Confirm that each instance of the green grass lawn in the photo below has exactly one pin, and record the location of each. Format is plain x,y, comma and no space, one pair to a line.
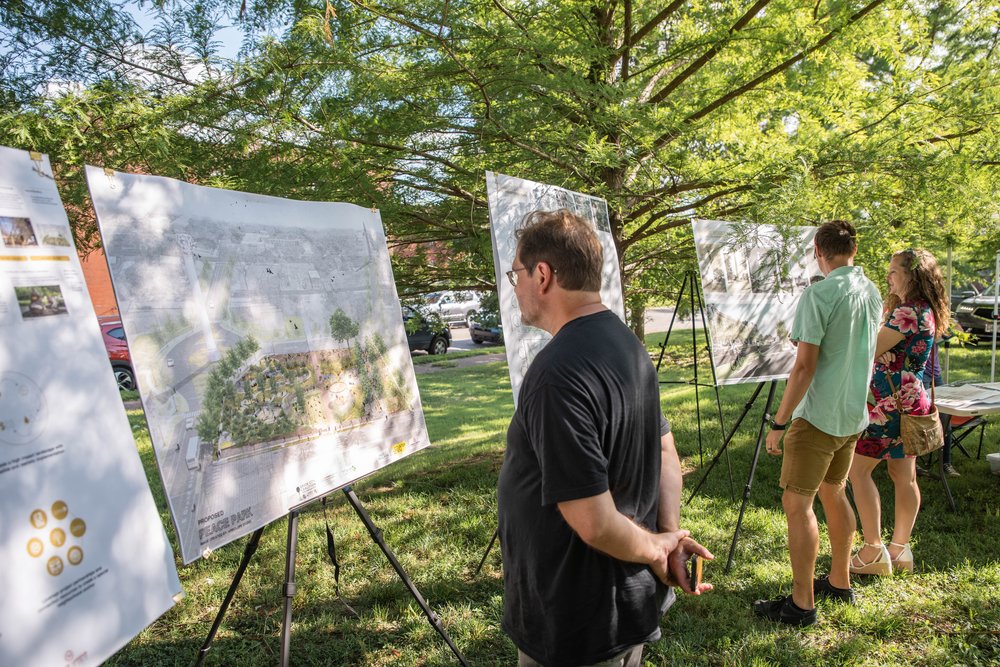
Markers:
438,511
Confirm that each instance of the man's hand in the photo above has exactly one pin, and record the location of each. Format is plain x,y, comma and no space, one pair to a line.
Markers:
774,442
665,545
679,566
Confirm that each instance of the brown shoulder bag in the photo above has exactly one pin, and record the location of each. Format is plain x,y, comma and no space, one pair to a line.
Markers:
921,434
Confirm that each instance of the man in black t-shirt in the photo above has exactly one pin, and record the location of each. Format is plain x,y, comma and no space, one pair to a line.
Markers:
584,487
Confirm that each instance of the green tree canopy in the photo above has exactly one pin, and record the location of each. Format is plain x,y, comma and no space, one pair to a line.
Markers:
880,111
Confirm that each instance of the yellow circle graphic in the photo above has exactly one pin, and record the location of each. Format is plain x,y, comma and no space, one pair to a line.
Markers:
39,519
59,510
54,566
57,537
78,527
74,555
35,547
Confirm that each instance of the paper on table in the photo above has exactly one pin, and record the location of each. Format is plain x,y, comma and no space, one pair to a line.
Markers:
968,395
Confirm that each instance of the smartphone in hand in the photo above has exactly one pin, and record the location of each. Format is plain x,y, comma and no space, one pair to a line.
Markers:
694,572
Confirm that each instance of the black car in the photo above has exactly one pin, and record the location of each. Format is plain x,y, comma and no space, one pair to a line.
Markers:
976,315
958,296
483,333
484,324
425,332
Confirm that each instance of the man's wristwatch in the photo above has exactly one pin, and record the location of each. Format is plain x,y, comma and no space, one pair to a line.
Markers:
775,426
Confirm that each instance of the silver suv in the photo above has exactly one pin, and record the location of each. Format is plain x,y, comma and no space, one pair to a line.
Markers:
454,307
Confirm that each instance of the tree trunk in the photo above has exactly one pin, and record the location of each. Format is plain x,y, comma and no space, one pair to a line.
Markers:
637,320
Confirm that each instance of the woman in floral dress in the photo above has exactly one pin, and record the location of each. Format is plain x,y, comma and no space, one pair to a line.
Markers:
916,310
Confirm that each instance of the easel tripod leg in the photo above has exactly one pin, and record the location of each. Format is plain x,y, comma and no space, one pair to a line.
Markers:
725,443
248,553
496,534
753,468
376,534
694,355
715,383
673,317
288,589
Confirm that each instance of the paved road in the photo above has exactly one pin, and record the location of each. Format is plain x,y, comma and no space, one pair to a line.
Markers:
657,319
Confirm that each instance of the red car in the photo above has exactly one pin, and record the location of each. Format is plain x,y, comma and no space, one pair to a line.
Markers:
118,354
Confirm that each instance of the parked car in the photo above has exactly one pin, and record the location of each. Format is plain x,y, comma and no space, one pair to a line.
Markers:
454,307
423,333
976,315
481,333
118,354
484,324
958,296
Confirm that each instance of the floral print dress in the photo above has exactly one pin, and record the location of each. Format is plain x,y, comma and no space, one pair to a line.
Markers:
915,320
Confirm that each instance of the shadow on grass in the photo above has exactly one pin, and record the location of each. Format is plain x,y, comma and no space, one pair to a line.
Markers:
437,509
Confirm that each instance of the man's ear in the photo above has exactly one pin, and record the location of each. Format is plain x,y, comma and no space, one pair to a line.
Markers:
545,275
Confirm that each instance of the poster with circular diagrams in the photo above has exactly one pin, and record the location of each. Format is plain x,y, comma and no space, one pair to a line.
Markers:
78,525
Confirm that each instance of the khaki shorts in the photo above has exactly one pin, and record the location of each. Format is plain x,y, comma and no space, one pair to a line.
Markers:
812,456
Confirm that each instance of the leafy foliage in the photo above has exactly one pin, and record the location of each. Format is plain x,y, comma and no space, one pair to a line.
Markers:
488,314
423,316
774,111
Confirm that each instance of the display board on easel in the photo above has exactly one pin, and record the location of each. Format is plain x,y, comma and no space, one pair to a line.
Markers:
752,277
511,199
86,564
269,347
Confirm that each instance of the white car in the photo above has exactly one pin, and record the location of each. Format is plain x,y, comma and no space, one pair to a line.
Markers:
454,307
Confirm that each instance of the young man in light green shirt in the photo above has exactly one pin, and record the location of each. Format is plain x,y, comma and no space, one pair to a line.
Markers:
823,406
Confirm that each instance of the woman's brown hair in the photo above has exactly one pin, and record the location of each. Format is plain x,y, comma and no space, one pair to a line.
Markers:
926,284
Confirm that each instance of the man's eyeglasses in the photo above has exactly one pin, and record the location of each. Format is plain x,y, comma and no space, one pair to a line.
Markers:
512,275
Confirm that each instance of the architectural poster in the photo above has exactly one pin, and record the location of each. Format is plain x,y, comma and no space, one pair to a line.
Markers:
269,347
511,199
752,277
86,564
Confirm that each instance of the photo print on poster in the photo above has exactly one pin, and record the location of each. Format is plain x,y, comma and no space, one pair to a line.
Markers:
752,277
510,200
53,235
268,344
40,300
78,525
17,232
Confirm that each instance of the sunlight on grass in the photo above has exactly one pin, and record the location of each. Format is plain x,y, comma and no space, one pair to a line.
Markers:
437,509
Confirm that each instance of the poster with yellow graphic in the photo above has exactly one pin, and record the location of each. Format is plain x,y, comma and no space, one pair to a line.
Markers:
85,564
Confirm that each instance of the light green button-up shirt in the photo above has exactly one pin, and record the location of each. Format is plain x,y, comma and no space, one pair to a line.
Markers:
841,314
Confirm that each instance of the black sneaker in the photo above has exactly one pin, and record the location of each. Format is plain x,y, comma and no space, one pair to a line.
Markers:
824,589
783,610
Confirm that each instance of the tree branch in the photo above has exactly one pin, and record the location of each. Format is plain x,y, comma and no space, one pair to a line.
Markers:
651,25
947,137
670,135
481,87
706,57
